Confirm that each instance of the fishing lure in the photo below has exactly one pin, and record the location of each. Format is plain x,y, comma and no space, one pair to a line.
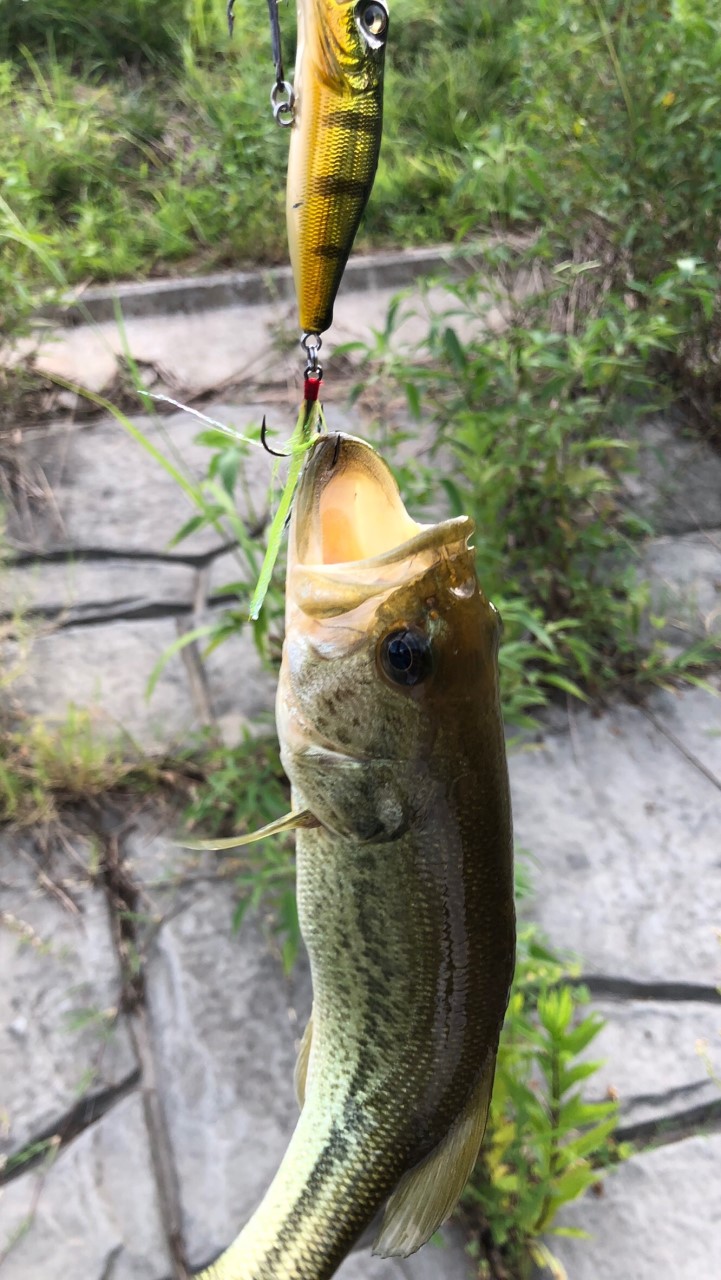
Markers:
334,144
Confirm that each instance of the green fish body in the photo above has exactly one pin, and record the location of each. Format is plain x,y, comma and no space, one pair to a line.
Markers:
391,733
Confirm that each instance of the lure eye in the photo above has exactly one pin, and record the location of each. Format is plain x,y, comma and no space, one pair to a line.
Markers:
373,20
405,656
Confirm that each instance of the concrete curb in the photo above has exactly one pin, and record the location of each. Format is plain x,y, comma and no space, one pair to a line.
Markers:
394,269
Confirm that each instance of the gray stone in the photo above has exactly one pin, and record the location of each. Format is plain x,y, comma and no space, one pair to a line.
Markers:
61,1038
91,1215
658,1215
361,1265
92,591
442,1260
624,830
685,574
678,484
242,689
105,669
233,329
186,354
224,1029
104,492
693,719
655,1057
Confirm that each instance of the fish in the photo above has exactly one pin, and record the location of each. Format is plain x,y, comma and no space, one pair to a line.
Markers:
391,734
334,144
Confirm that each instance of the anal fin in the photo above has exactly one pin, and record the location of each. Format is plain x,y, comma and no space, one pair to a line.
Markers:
427,1194
300,1074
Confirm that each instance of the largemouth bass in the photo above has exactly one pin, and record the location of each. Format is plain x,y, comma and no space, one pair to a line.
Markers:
390,730
334,145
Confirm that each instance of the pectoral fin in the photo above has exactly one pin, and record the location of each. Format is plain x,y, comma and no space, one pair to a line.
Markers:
301,1063
304,819
427,1194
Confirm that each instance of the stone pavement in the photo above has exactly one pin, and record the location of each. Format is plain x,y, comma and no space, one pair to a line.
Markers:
146,1050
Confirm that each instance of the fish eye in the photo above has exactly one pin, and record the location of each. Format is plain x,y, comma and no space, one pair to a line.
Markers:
372,17
405,656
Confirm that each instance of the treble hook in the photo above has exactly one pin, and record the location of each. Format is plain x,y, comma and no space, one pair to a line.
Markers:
264,441
282,98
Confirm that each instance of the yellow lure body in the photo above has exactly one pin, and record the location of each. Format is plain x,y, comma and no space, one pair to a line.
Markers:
335,143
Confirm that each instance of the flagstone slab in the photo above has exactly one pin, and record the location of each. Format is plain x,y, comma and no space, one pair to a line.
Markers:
693,719
225,1025
62,1036
104,492
93,1214
656,1057
678,483
105,670
624,833
685,572
97,590
442,1259
658,1215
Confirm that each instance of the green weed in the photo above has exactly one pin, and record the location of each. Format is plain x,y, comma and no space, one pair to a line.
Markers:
34,1151
531,428
47,767
139,137
545,1144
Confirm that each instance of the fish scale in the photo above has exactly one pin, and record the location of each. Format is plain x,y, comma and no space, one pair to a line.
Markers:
405,896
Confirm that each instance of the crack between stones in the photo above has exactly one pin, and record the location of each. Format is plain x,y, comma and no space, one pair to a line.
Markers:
123,896
631,989
646,1134
101,555
161,1153
670,1095
683,750
115,612
81,1116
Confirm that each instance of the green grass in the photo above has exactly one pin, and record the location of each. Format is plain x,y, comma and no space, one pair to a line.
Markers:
138,140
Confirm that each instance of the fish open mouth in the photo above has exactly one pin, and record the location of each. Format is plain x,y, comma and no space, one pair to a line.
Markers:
349,509
352,536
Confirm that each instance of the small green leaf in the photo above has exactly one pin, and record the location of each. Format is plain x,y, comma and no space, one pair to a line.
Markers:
174,647
310,422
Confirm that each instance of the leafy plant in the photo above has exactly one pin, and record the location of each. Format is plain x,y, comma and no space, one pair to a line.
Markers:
216,505
530,425
566,115
545,1144
44,767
